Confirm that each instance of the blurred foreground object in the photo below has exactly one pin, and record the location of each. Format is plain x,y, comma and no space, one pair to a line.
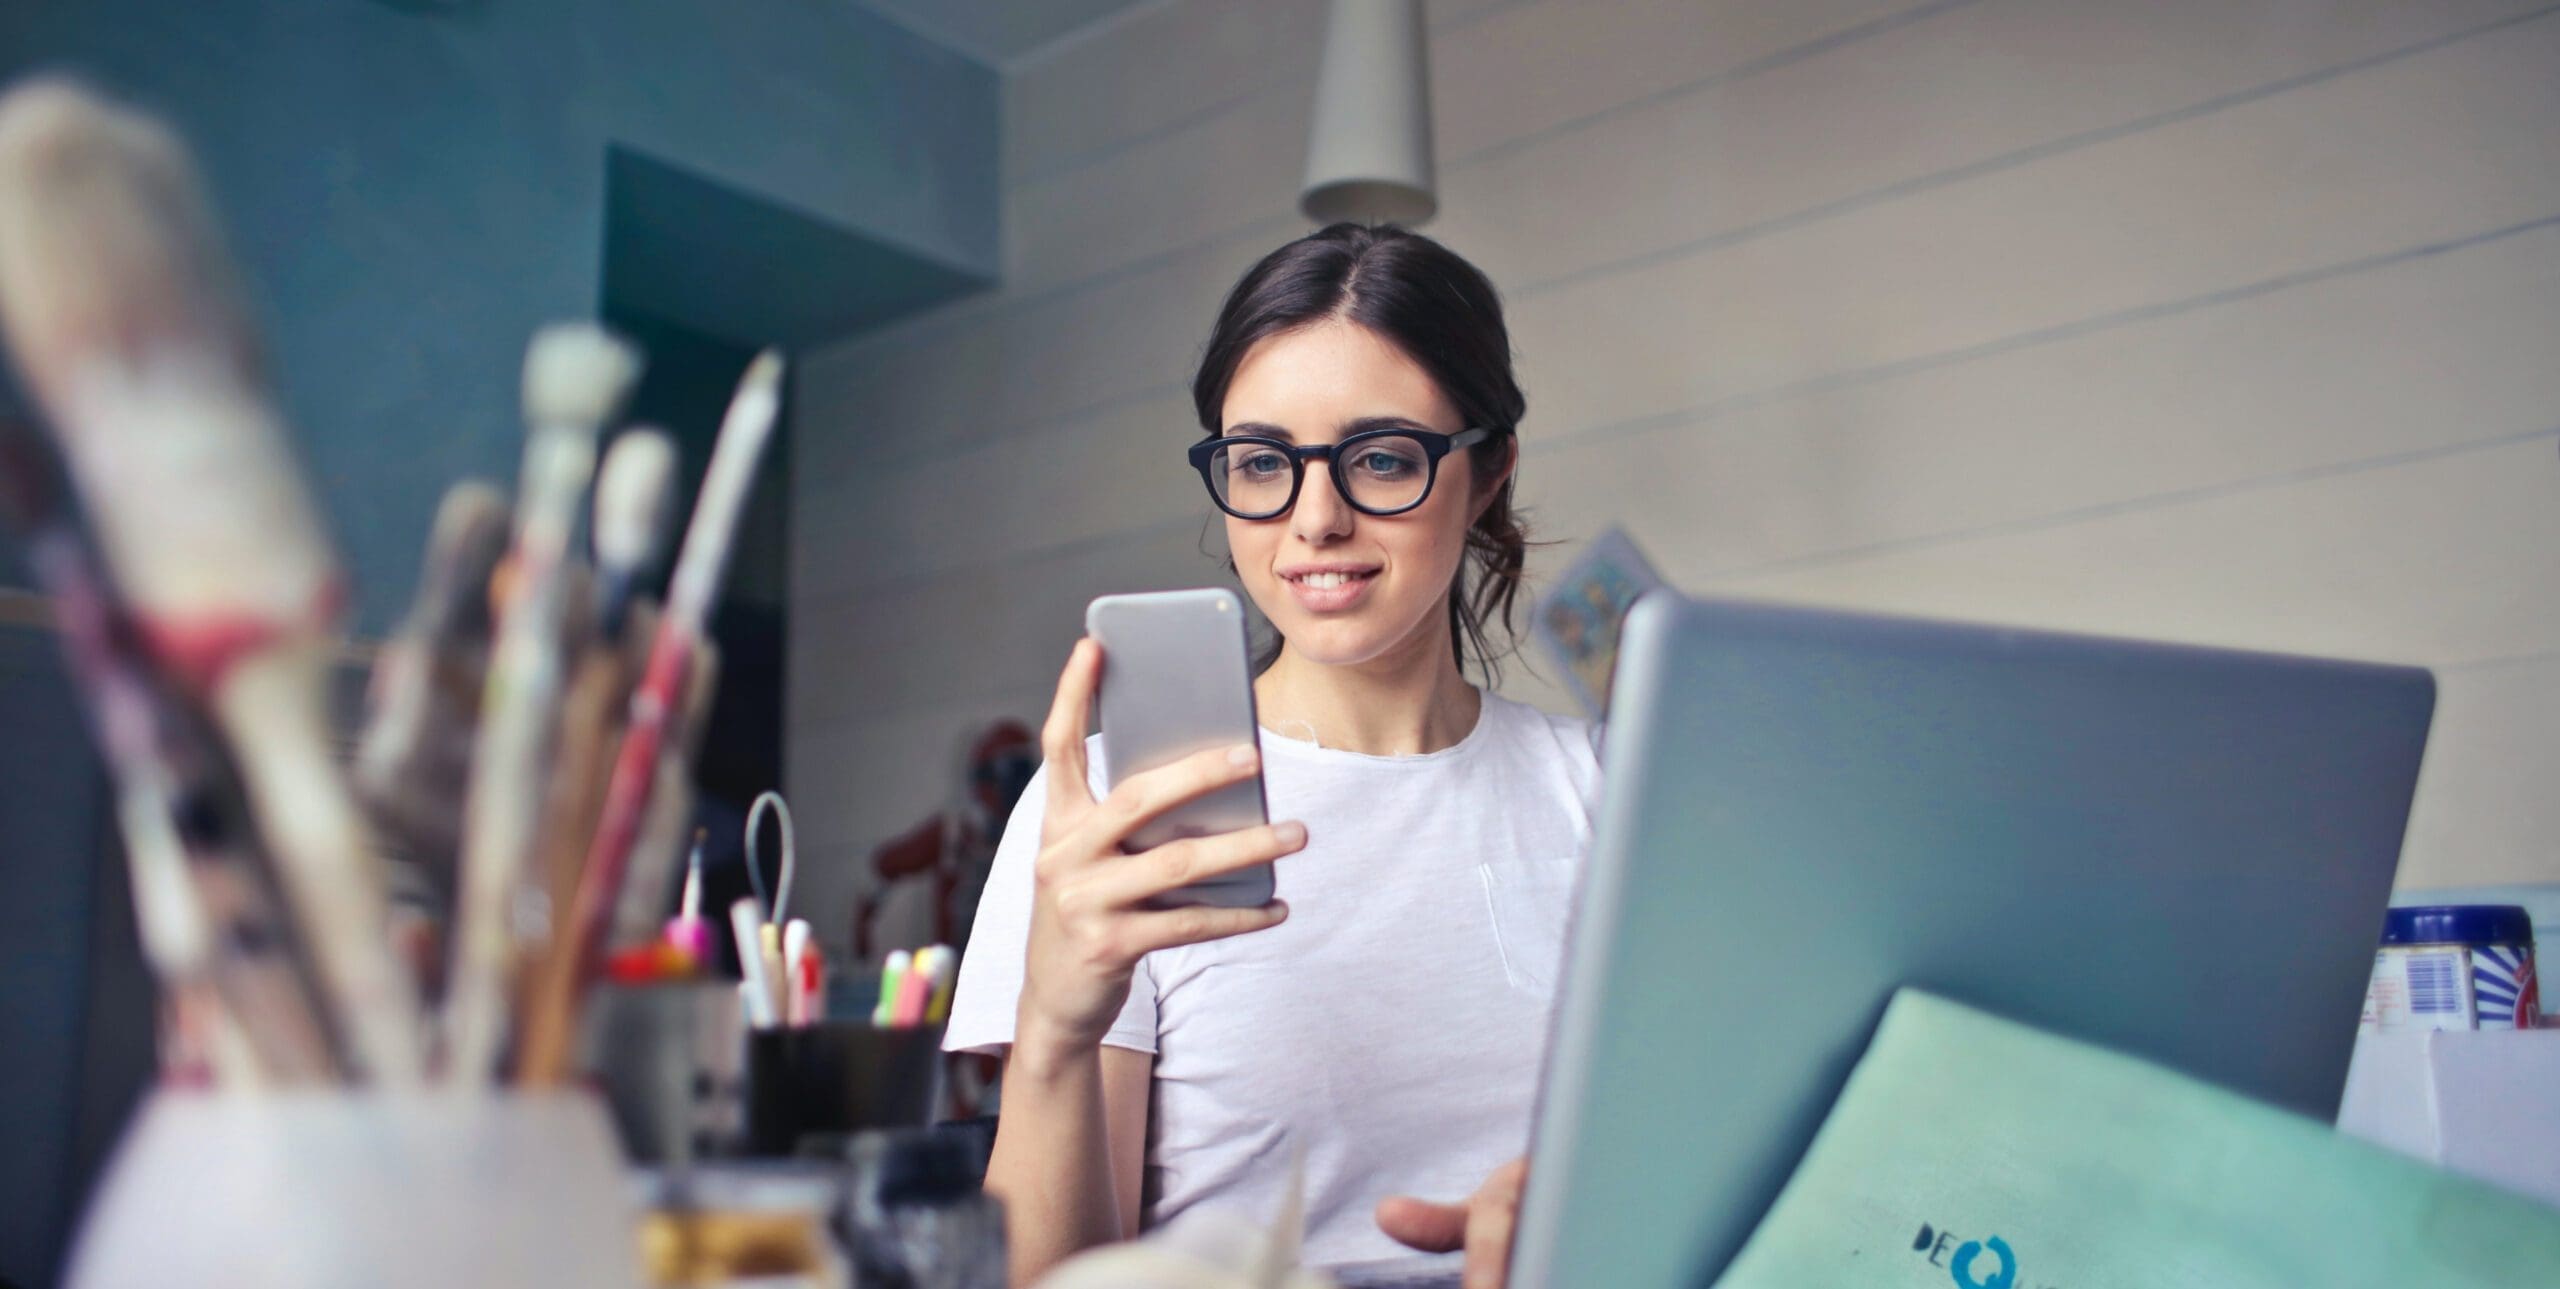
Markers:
239,996
2484,1104
1205,1248
2059,1162
575,377
736,1224
198,606
653,750
124,320
390,1190
914,1216
413,762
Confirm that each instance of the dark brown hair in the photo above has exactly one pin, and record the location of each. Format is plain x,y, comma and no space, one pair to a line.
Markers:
1442,312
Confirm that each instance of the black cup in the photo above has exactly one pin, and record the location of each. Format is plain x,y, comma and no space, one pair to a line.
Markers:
810,1087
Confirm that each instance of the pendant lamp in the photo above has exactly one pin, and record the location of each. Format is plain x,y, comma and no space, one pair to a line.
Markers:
1369,147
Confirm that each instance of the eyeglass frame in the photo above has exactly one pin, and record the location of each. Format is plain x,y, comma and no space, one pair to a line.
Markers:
1435,445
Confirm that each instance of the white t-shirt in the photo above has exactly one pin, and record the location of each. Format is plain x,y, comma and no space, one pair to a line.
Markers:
1393,1027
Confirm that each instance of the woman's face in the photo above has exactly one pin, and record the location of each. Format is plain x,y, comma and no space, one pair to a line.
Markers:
1345,588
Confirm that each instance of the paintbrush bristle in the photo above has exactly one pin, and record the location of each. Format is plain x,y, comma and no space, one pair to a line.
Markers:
413,758
764,375
576,375
106,241
744,430
469,538
123,313
634,490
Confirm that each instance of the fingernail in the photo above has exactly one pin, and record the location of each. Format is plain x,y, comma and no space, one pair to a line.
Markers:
1243,755
1280,910
1291,833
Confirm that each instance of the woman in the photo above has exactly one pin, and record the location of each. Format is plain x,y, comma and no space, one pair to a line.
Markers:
1385,1022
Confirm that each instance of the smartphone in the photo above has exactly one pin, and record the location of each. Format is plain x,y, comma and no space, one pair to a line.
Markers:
1176,679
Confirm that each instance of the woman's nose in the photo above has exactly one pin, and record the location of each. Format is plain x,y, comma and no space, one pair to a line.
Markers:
1321,514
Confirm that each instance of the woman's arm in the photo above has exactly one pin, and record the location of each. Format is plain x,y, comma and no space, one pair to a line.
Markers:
1070,1149
1071,1137
1128,1084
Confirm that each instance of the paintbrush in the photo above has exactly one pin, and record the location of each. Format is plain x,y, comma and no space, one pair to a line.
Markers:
683,632
413,761
662,695
125,322
631,507
211,922
590,724
659,846
635,495
543,1049
575,376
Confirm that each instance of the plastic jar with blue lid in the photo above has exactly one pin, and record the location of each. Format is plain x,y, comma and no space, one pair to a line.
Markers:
2454,966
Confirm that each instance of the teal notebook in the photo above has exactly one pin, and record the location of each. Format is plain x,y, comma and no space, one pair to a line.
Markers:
1972,1151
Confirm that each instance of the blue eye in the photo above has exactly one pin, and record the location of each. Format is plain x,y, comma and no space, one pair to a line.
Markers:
1257,465
1385,465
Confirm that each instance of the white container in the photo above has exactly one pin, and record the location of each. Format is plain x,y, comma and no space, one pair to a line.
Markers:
2482,1103
288,1190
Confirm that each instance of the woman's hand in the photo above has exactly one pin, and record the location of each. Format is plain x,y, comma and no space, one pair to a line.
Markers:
1481,1224
1089,923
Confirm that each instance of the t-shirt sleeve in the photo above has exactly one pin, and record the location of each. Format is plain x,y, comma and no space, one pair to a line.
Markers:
1579,742
990,985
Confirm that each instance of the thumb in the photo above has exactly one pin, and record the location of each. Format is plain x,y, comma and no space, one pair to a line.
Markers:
1432,1228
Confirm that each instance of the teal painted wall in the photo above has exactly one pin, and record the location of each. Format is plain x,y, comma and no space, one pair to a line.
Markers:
414,185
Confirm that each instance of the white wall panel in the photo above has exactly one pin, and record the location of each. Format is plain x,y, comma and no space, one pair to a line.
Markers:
2219,321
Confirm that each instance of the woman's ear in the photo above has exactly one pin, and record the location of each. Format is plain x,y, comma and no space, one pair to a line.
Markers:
1490,486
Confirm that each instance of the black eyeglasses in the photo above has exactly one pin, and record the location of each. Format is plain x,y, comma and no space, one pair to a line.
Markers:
1380,472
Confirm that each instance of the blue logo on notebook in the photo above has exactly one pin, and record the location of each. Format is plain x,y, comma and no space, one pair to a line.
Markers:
1968,1262
1962,1267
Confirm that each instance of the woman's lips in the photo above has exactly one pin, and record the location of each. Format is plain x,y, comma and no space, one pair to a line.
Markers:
1331,591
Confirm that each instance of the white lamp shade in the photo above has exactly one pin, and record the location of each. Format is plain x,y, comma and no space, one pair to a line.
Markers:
1369,147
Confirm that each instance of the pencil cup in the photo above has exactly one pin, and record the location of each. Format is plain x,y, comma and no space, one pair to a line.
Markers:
812,1086
288,1190
668,1057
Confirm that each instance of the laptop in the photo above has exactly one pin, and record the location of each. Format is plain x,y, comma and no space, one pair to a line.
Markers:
2180,853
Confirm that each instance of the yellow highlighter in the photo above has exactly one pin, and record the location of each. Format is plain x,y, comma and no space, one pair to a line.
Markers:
890,976
777,973
945,968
